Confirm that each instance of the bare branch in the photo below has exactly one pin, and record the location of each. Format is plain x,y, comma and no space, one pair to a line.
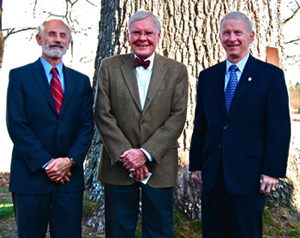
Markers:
91,3
292,41
34,8
294,13
11,31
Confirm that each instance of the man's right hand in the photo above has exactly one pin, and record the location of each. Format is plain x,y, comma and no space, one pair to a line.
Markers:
197,176
141,173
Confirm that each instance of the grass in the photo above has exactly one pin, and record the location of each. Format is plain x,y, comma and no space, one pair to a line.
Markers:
89,207
184,228
6,206
278,222
6,210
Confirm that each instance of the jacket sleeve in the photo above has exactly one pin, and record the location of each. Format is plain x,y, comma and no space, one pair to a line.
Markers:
199,131
278,127
165,136
104,119
84,132
25,141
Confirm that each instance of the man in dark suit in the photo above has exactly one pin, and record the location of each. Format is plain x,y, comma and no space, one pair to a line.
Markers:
240,145
140,113
51,134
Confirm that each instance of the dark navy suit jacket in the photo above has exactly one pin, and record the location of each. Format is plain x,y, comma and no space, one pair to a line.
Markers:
39,134
253,139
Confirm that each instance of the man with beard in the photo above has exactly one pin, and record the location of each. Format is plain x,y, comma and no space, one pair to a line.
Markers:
49,120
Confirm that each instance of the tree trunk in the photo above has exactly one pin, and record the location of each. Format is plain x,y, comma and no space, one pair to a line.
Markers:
190,35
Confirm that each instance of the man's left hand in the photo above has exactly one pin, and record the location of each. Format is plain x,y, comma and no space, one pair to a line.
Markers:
58,170
268,184
133,159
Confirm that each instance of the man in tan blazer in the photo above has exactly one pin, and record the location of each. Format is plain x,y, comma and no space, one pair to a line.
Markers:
140,112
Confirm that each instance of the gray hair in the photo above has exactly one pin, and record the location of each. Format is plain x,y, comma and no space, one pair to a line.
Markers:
140,15
40,29
237,16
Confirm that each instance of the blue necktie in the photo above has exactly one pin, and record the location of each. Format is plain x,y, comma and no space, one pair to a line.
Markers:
231,86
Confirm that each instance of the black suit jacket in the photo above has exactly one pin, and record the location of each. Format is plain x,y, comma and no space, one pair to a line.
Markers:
253,139
39,135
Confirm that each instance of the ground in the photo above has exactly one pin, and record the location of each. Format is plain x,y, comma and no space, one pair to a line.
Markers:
278,221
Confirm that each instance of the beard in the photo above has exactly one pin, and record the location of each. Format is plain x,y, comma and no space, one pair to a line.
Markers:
54,52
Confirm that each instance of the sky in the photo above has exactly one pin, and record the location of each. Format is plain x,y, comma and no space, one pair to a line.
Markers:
21,48
291,31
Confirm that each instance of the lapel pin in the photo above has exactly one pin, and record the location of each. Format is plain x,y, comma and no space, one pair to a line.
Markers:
249,79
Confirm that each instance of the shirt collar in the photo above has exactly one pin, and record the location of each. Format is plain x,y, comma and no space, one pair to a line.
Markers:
241,64
48,67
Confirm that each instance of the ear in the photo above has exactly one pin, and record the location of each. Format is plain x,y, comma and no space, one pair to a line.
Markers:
127,36
68,45
38,39
252,35
159,34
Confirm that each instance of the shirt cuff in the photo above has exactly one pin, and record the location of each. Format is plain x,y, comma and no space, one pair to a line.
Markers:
45,165
149,156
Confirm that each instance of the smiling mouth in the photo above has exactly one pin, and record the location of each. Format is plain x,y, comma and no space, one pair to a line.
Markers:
143,46
56,46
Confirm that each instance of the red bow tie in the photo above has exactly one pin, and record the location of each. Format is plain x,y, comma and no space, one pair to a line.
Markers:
139,62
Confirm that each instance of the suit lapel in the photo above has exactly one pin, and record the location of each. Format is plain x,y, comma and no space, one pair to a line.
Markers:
128,70
69,87
218,87
246,81
41,80
158,74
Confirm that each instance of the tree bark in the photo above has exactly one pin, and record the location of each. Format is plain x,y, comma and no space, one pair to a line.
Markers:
190,35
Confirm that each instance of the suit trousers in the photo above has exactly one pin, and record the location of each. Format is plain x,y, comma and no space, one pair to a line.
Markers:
229,216
122,204
63,212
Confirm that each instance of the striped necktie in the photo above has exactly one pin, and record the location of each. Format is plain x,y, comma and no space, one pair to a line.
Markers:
231,86
56,90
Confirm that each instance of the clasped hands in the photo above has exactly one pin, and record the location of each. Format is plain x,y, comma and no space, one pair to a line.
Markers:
268,184
134,160
58,170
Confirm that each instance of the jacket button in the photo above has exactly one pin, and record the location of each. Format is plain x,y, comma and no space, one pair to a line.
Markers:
225,127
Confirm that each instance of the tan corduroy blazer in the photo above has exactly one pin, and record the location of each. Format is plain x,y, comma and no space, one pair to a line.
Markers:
123,124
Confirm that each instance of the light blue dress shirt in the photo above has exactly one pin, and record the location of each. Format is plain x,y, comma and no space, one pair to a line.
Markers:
241,65
48,67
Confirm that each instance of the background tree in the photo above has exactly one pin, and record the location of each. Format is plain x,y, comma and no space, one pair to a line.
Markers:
294,91
66,10
190,36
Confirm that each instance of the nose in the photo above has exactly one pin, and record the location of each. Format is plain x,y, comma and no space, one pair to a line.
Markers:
58,38
232,37
142,36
